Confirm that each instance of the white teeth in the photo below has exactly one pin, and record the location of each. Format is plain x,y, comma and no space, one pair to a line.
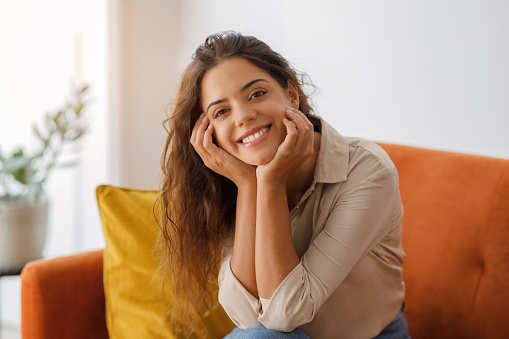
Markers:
256,135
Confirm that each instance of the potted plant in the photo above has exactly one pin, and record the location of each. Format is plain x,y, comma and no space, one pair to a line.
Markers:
23,201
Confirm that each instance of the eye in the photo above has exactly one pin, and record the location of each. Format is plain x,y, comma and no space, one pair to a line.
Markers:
220,112
257,94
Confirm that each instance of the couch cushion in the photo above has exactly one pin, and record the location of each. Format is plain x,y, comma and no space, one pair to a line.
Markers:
132,286
456,236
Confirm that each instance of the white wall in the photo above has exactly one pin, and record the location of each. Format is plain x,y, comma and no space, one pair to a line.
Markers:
432,74
148,37
429,73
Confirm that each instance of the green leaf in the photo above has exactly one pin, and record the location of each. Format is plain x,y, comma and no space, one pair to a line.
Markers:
47,141
13,164
38,133
50,124
18,153
80,133
83,89
78,108
20,175
60,126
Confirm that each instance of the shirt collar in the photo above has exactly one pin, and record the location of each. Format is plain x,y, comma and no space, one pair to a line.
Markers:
333,157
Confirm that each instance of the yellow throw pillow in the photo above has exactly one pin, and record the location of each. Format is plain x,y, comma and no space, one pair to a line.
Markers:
132,287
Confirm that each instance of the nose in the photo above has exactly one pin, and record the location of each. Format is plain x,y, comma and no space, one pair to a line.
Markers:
244,115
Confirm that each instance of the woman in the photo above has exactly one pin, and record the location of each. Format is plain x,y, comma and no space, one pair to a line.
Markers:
306,222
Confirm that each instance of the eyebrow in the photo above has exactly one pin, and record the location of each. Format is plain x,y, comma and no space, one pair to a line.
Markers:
242,89
246,86
215,103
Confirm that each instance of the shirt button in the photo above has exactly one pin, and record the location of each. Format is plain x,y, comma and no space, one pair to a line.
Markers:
297,207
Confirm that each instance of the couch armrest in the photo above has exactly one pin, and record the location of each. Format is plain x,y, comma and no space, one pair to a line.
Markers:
63,298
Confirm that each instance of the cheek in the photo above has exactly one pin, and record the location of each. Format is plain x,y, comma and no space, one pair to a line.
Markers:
221,135
281,128
278,111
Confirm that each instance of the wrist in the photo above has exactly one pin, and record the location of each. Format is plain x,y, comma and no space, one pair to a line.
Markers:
246,181
265,178
270,186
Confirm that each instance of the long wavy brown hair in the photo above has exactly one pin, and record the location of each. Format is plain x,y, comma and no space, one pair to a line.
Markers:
198,205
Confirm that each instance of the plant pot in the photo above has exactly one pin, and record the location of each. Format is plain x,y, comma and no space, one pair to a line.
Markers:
23,227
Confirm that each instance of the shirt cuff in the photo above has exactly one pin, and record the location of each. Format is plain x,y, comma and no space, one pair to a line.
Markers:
290,305
240,305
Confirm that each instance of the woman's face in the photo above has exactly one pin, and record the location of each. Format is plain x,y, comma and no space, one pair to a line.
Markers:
246,106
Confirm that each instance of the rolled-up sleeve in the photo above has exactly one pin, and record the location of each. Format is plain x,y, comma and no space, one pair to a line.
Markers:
359,219
240,305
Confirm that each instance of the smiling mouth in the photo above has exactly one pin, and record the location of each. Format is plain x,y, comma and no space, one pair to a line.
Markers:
255,136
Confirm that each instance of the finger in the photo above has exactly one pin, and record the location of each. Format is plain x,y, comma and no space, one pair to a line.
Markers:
303,128
291,132
214,151
295,110
301,115
208,143
210,148
196,125
305,141
199,131
195,132
304,118
198,141
295,118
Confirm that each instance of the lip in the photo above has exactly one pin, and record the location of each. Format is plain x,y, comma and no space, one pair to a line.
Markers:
260,139
251,132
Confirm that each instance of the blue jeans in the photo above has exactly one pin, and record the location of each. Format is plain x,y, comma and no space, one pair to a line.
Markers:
264,333
397,329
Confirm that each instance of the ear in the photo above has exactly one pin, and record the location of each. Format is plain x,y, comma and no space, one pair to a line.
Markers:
293,93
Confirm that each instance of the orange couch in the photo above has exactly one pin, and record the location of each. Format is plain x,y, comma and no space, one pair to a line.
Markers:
455,233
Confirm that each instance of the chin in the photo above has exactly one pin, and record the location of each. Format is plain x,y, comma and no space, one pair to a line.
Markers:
258,163
262,160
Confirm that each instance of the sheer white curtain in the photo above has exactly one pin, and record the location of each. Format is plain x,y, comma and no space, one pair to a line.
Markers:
46,48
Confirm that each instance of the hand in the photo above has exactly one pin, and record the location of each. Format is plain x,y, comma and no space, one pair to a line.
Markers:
216,158
297,146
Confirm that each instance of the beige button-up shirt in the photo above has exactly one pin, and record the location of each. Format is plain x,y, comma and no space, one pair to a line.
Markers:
347,233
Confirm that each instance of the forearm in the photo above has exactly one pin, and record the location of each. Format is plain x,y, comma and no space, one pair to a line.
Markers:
242,261
275,255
